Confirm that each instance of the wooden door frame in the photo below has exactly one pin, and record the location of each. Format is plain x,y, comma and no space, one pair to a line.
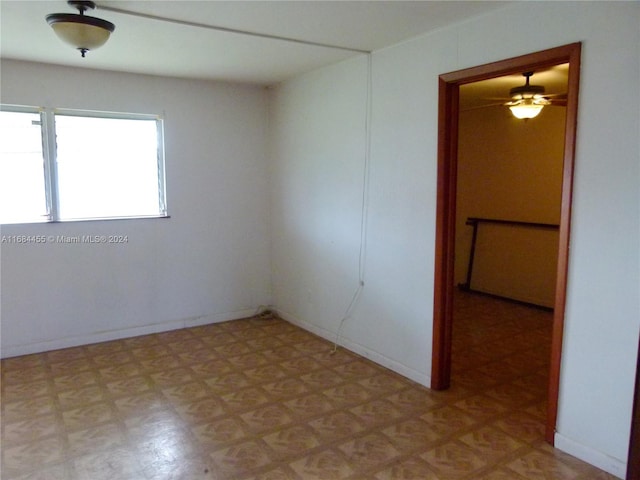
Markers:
448,111
633,460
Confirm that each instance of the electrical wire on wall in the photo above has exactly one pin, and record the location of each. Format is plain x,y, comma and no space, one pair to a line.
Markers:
364,204
265,311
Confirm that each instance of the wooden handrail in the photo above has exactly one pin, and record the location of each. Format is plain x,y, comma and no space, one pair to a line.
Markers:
476,220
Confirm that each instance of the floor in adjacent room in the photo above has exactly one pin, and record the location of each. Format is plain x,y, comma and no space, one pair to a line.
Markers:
262,399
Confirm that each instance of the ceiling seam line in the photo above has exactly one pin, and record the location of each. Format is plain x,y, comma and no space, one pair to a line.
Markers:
230,30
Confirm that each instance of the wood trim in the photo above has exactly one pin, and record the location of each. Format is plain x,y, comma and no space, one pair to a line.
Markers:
445,221
633,461
449,85
510,66
563,249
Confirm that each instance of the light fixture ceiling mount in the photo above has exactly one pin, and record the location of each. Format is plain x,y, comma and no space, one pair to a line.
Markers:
81,31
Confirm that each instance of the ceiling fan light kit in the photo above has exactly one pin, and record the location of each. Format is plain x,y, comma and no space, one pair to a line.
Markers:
81,31
526,109
527,100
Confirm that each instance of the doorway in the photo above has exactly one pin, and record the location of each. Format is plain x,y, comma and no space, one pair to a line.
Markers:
449,93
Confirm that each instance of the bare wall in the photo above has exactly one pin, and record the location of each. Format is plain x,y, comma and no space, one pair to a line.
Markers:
393,321
208,262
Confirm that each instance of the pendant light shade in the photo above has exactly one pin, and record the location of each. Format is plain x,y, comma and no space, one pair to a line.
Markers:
81,31
527,108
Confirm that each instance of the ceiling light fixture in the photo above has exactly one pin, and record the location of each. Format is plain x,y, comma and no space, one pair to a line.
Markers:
526,109
527,101
81,31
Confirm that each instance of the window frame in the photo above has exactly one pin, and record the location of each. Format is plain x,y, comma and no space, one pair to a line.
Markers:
49,154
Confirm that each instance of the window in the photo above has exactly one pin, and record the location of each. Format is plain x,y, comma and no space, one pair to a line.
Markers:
58,165
22,183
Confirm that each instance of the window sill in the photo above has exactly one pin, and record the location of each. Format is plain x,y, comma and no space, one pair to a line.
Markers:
84,220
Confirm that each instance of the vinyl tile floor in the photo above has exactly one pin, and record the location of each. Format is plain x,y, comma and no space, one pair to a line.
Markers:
262,399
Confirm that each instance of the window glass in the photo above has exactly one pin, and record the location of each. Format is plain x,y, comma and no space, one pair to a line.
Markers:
76,165
22,177
108,167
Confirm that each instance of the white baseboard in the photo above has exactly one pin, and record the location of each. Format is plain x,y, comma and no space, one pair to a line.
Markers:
366,352
97,337
596,458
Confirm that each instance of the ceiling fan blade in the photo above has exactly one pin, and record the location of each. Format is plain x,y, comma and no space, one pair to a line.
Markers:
478,107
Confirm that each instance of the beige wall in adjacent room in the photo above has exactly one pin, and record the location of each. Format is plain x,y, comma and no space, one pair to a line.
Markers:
510,169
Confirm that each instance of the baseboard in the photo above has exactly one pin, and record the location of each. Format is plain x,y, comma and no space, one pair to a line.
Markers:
97,337
361,350
598,459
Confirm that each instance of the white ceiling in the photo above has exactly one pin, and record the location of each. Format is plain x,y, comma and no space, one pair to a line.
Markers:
144,45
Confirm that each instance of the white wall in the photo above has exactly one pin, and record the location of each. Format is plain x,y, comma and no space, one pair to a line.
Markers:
316,159
208,262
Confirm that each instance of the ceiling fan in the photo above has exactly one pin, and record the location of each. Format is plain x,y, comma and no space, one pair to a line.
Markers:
528,100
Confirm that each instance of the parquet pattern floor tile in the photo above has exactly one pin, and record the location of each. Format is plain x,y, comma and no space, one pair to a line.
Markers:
260,399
